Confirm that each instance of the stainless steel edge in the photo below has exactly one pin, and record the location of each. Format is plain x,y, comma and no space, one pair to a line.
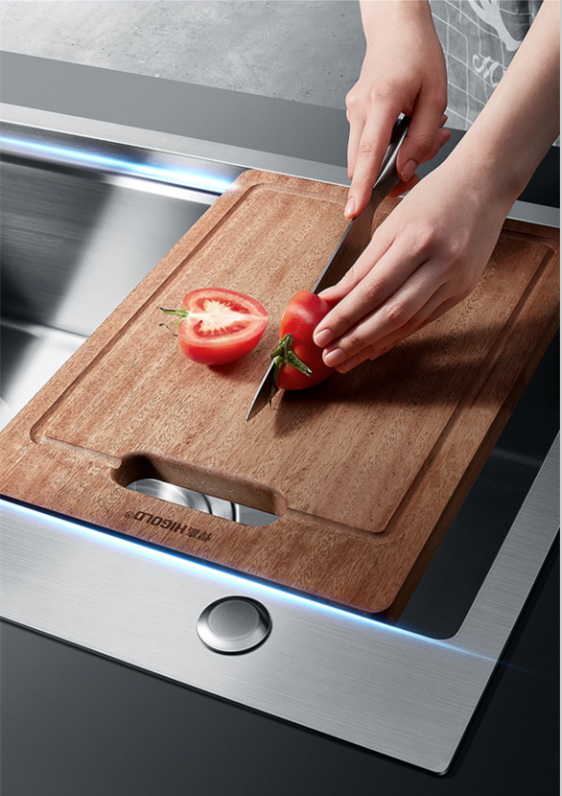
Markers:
211,151
502,595
165,142
535,214
387,690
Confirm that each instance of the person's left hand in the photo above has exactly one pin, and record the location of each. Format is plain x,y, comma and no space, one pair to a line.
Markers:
426,257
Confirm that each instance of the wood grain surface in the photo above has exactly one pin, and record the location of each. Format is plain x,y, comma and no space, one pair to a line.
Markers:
366,471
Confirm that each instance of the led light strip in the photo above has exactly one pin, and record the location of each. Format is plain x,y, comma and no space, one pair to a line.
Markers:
189,179
230,579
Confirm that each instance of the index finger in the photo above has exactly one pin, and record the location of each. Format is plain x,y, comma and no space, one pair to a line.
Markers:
384,278
375,138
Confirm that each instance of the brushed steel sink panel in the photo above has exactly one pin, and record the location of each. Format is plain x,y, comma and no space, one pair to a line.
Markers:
74,245
67,259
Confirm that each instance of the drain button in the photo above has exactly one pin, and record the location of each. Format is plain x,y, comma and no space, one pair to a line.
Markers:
234,624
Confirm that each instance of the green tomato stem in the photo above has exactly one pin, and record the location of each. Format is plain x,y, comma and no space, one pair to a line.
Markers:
284,355
182,315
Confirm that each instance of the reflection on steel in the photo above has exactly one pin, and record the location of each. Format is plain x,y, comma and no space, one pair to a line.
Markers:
208,504
80,156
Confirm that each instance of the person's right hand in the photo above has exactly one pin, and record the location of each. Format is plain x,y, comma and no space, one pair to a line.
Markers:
403,72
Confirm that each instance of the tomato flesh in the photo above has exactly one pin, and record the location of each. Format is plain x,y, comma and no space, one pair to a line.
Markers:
221,326
303,314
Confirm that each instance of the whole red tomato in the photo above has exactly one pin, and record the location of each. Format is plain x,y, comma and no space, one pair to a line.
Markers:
298,360
218,326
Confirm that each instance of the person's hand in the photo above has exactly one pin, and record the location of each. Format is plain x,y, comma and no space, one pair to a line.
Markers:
403,72
424,258
432,249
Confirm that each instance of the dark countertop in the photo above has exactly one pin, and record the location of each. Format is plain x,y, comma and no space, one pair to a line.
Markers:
75,723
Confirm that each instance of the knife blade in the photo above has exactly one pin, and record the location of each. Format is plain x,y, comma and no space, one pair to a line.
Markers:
352,243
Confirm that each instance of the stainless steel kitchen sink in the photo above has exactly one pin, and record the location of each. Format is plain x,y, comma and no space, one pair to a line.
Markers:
83,220
74,243
75,240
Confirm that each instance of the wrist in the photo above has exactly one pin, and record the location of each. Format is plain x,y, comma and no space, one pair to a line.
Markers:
381,19
486,167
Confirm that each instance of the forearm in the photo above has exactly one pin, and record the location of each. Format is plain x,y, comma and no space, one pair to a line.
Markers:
383,17
403,72
521,120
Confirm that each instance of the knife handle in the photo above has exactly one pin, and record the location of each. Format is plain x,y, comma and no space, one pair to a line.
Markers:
388,176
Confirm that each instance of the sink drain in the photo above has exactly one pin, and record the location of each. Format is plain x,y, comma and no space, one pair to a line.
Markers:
187,497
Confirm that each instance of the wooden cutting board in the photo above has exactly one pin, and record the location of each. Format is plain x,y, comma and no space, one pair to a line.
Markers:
365,471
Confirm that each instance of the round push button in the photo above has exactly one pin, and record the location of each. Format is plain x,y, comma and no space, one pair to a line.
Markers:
234,624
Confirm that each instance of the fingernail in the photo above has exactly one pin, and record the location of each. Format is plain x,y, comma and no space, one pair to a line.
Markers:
408,170
323,338
350,207
348,365
335,357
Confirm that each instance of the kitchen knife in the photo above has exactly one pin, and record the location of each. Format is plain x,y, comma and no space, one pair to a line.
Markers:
352,243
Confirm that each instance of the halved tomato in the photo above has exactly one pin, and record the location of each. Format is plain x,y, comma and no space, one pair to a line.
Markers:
218,326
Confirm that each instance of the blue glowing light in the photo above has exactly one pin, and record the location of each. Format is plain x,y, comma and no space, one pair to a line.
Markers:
188,179
229,579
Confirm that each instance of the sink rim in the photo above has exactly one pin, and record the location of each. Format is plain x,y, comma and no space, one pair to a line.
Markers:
225,158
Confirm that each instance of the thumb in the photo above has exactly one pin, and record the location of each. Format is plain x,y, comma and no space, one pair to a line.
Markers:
418,145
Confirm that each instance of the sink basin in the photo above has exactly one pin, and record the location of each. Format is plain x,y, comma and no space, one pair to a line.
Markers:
84,221
75,241
74,244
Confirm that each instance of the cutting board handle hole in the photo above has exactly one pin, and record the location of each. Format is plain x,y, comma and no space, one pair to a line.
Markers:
192,487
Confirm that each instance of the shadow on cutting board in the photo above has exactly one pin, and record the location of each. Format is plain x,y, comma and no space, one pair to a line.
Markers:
421,371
